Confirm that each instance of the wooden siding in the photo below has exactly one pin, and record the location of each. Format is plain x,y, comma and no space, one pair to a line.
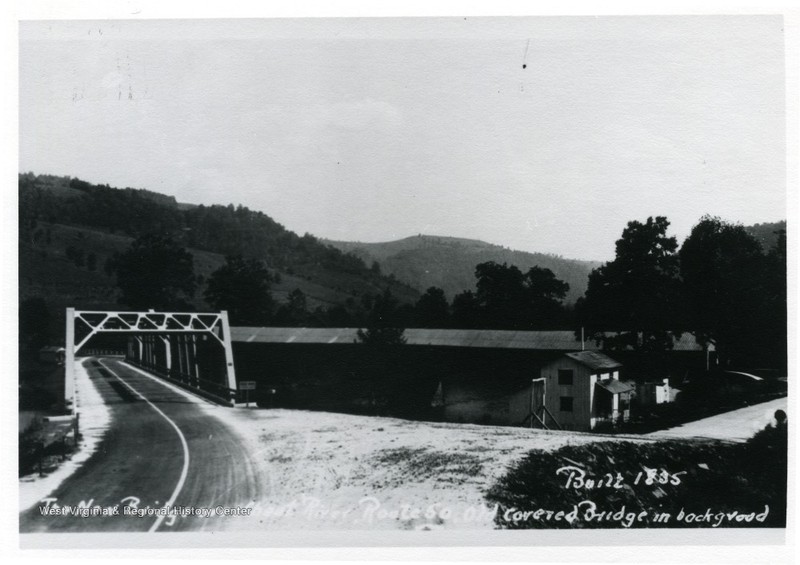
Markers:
579,418
465,404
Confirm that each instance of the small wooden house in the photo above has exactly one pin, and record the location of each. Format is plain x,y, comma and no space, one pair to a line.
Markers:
580,391
652,393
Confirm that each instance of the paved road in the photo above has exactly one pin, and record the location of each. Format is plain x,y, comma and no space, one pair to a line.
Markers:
737,425
161,448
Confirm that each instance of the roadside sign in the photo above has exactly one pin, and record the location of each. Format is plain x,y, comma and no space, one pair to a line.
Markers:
247,386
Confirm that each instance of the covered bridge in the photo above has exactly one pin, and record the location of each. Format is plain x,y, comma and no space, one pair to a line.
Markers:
481,376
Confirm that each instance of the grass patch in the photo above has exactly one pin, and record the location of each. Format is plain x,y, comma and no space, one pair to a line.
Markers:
43,446
422,464
688,485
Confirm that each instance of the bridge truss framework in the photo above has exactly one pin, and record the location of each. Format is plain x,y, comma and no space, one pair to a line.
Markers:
165,341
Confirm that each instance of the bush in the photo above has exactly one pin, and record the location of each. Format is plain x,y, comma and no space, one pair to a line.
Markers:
38,452
707,480
31,449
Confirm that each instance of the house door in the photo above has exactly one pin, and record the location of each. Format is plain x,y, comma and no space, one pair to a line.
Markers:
537,401
603,404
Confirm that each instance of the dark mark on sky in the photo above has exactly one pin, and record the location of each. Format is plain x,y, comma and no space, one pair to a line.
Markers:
525,56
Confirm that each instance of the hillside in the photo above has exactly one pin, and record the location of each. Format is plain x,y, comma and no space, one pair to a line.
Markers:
449,262
68,229
766,233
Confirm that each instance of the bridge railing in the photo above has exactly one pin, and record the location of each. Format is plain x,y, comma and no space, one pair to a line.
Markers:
211,390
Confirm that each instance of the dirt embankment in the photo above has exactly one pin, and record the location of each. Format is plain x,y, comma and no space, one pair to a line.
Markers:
335,470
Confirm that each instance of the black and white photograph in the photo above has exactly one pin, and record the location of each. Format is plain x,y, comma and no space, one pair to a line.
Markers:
437,280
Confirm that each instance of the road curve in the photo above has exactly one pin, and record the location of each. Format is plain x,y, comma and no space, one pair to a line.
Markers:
161,449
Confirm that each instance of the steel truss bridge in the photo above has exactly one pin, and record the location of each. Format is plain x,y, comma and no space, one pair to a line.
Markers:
191,349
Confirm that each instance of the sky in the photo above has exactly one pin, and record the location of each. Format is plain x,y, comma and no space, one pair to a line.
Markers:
543,134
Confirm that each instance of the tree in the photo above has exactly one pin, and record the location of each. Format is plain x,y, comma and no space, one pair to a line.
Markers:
336,317
382,336
736,293
76,255
155,273
242,287
466,311
638,293
432,310
34,322
545,295
501,295
295,311
776,306
383,327
509,299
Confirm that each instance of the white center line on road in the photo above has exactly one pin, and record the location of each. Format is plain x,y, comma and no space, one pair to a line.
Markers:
184,471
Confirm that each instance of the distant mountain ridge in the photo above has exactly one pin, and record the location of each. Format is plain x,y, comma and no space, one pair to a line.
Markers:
69,228
449,262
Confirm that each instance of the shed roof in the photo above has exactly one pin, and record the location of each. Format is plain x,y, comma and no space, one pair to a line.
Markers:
500,339
594,360
614,386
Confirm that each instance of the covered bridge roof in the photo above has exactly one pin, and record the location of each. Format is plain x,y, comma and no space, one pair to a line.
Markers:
501,339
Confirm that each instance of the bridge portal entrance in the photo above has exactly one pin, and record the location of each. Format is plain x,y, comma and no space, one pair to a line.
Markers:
191,349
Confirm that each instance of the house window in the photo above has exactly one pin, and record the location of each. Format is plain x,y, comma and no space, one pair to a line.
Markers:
565,376
566,404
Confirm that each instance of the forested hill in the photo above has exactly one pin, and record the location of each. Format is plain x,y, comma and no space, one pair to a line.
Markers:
69,228
767,233
449,262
